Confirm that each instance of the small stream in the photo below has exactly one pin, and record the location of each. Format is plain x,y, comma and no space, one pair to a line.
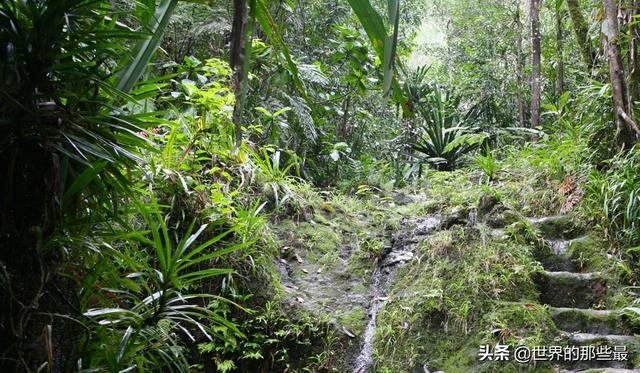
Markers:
402,251
559,247
365,358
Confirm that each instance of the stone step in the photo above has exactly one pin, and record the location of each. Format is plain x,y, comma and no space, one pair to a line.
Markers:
570,289
554,255
612,340
594,339
590,321
601,370
557,227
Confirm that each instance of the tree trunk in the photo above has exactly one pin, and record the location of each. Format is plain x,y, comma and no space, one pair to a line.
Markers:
236,62
535,63
581,29
634,55
627,129
560,52
519,67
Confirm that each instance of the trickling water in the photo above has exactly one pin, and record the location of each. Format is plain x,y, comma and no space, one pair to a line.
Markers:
559,247
401,252
365,358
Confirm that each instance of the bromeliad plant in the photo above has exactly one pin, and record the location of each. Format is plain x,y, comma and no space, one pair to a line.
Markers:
443,134
274,174
150,290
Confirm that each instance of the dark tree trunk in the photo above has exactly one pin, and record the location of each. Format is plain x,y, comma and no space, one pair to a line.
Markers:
236,61
627,129
519,67
535,63
560,52
581,29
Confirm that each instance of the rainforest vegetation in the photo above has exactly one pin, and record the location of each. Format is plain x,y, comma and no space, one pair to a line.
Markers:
318,185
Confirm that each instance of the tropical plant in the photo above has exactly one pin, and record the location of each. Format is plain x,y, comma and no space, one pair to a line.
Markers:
274,174
487,163
68,140
443,134
61,111
149,290
615,194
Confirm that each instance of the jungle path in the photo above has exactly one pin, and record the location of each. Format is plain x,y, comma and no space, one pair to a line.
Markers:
353,291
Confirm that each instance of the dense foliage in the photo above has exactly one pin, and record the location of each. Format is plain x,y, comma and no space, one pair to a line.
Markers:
164,163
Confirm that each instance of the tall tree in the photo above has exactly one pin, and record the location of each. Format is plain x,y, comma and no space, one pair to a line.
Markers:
519,65
581,29
236,61
627,129
535,62
559,48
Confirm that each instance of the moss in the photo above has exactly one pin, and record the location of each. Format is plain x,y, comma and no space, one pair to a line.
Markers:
354,320
317,237
590,253
438,244
444,303
561,289
520,324
372,246
449,189
320,218
559,227
329,260
327,207
501,219
453,296
523,232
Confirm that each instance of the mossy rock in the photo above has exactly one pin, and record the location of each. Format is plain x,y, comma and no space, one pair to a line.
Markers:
544,254
559,227
519,323
592,321
502,217
631,343
589,253
568,289
354,319
457,216
486,203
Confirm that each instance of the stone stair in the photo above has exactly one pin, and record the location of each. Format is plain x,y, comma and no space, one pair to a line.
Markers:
571,296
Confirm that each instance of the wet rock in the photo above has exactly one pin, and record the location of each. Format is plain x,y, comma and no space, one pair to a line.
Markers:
591,321
426,225
457,216
395,257
348,332
569,289
554,255
486,204
501,217
558,227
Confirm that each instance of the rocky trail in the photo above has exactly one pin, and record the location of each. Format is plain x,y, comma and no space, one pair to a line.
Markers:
574,296
401,251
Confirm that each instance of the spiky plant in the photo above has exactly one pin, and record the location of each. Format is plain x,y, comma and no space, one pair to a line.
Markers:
444,135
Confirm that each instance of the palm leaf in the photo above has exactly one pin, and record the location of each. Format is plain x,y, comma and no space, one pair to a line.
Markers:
147,46
377,33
